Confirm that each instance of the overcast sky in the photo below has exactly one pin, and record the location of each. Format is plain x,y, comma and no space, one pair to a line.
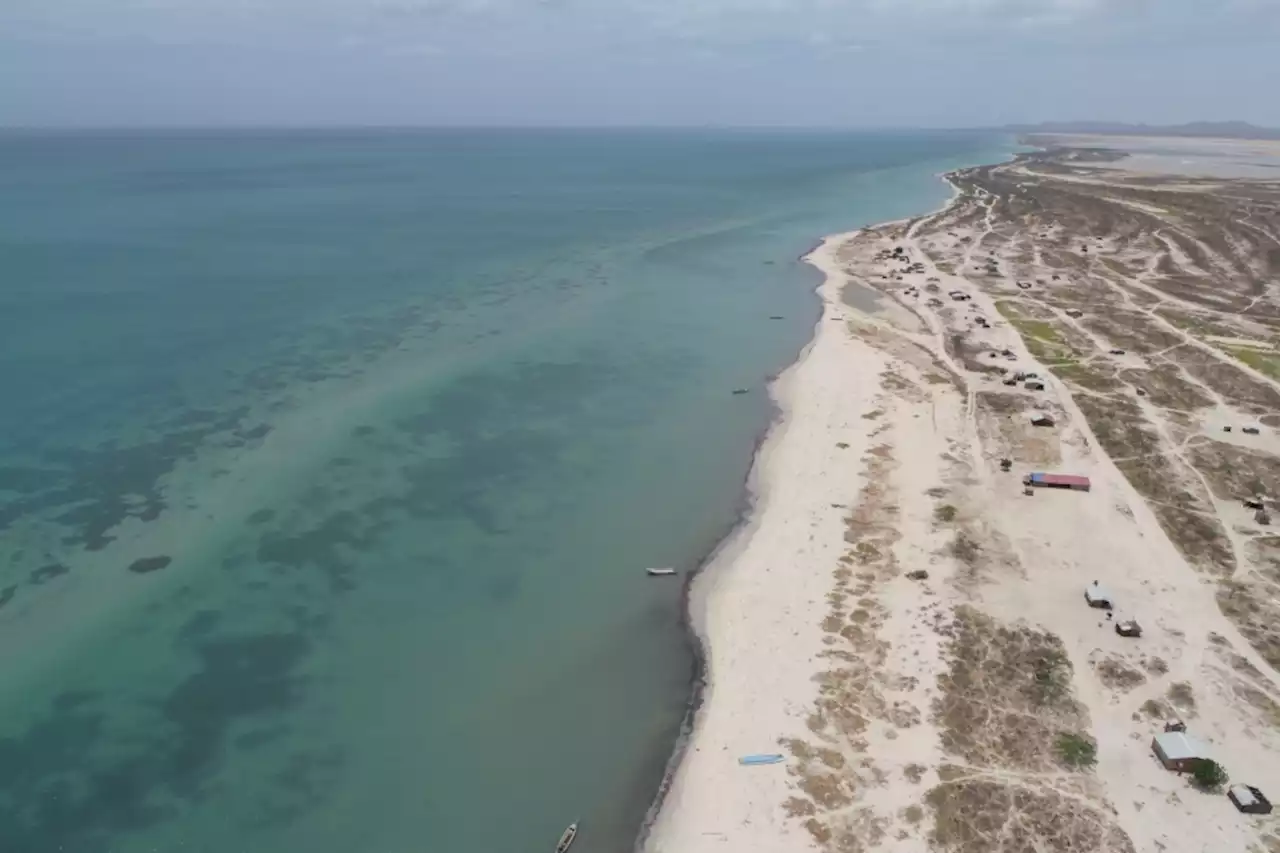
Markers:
863,63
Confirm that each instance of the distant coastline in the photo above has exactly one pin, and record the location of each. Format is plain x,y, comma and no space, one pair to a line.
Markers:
1202,129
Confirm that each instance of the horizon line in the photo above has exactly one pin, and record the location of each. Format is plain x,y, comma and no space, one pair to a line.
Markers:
248,126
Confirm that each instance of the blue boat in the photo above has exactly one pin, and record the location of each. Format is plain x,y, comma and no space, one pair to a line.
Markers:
761,758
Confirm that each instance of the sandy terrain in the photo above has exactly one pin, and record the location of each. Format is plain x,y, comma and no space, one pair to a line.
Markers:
1200,157
757,599
908,628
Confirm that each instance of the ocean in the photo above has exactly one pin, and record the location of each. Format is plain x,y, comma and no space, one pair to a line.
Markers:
331,462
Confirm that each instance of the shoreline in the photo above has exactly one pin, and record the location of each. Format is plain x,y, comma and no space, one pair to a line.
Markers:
699,586
731,544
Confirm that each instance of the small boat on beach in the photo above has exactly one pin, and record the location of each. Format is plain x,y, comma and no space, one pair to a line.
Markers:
660,573
567,838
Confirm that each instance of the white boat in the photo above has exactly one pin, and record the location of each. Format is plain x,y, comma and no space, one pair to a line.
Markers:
567,838
660,573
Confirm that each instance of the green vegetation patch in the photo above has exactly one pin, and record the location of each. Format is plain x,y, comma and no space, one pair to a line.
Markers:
1076,750
1046,339
1209,775
1093,379
1201,325
1264,361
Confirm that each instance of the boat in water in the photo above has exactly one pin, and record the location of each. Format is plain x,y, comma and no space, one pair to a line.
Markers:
660,573
567,838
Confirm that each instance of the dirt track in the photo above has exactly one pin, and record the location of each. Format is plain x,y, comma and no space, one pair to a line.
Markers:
1148,307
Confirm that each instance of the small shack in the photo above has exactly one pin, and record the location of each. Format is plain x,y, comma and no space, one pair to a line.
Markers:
1249,799
1250,430
1033,385
1097,596
1058,481
1178,751
1129,628
1040,419
1262,517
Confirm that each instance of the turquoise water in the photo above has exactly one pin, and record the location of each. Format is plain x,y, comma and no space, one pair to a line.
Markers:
330,463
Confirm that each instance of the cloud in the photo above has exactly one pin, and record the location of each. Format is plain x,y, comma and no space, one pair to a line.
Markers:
724,22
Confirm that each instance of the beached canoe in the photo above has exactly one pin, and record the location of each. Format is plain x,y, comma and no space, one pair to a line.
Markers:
567,838
660,573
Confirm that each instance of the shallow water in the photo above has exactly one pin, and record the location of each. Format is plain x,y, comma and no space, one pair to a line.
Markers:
409,413
862,297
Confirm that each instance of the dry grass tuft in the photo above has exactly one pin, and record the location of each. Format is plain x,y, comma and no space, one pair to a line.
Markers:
1155,710
1006,704
1114,672
1182,697
977,815
828,772
1006,695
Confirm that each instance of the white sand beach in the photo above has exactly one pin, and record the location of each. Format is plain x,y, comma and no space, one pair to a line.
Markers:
907,627
755,603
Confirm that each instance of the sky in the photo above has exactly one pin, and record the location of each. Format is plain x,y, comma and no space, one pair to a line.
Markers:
842,63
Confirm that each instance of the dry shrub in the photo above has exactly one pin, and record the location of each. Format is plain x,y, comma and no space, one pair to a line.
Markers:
1155,665
984,816
1006,694
1251,606
1113,672
1156,710
1236,472
1182,696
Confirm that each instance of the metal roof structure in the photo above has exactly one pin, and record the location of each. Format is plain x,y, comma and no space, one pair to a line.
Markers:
1095,592
1242,794
1179,746
1069,480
